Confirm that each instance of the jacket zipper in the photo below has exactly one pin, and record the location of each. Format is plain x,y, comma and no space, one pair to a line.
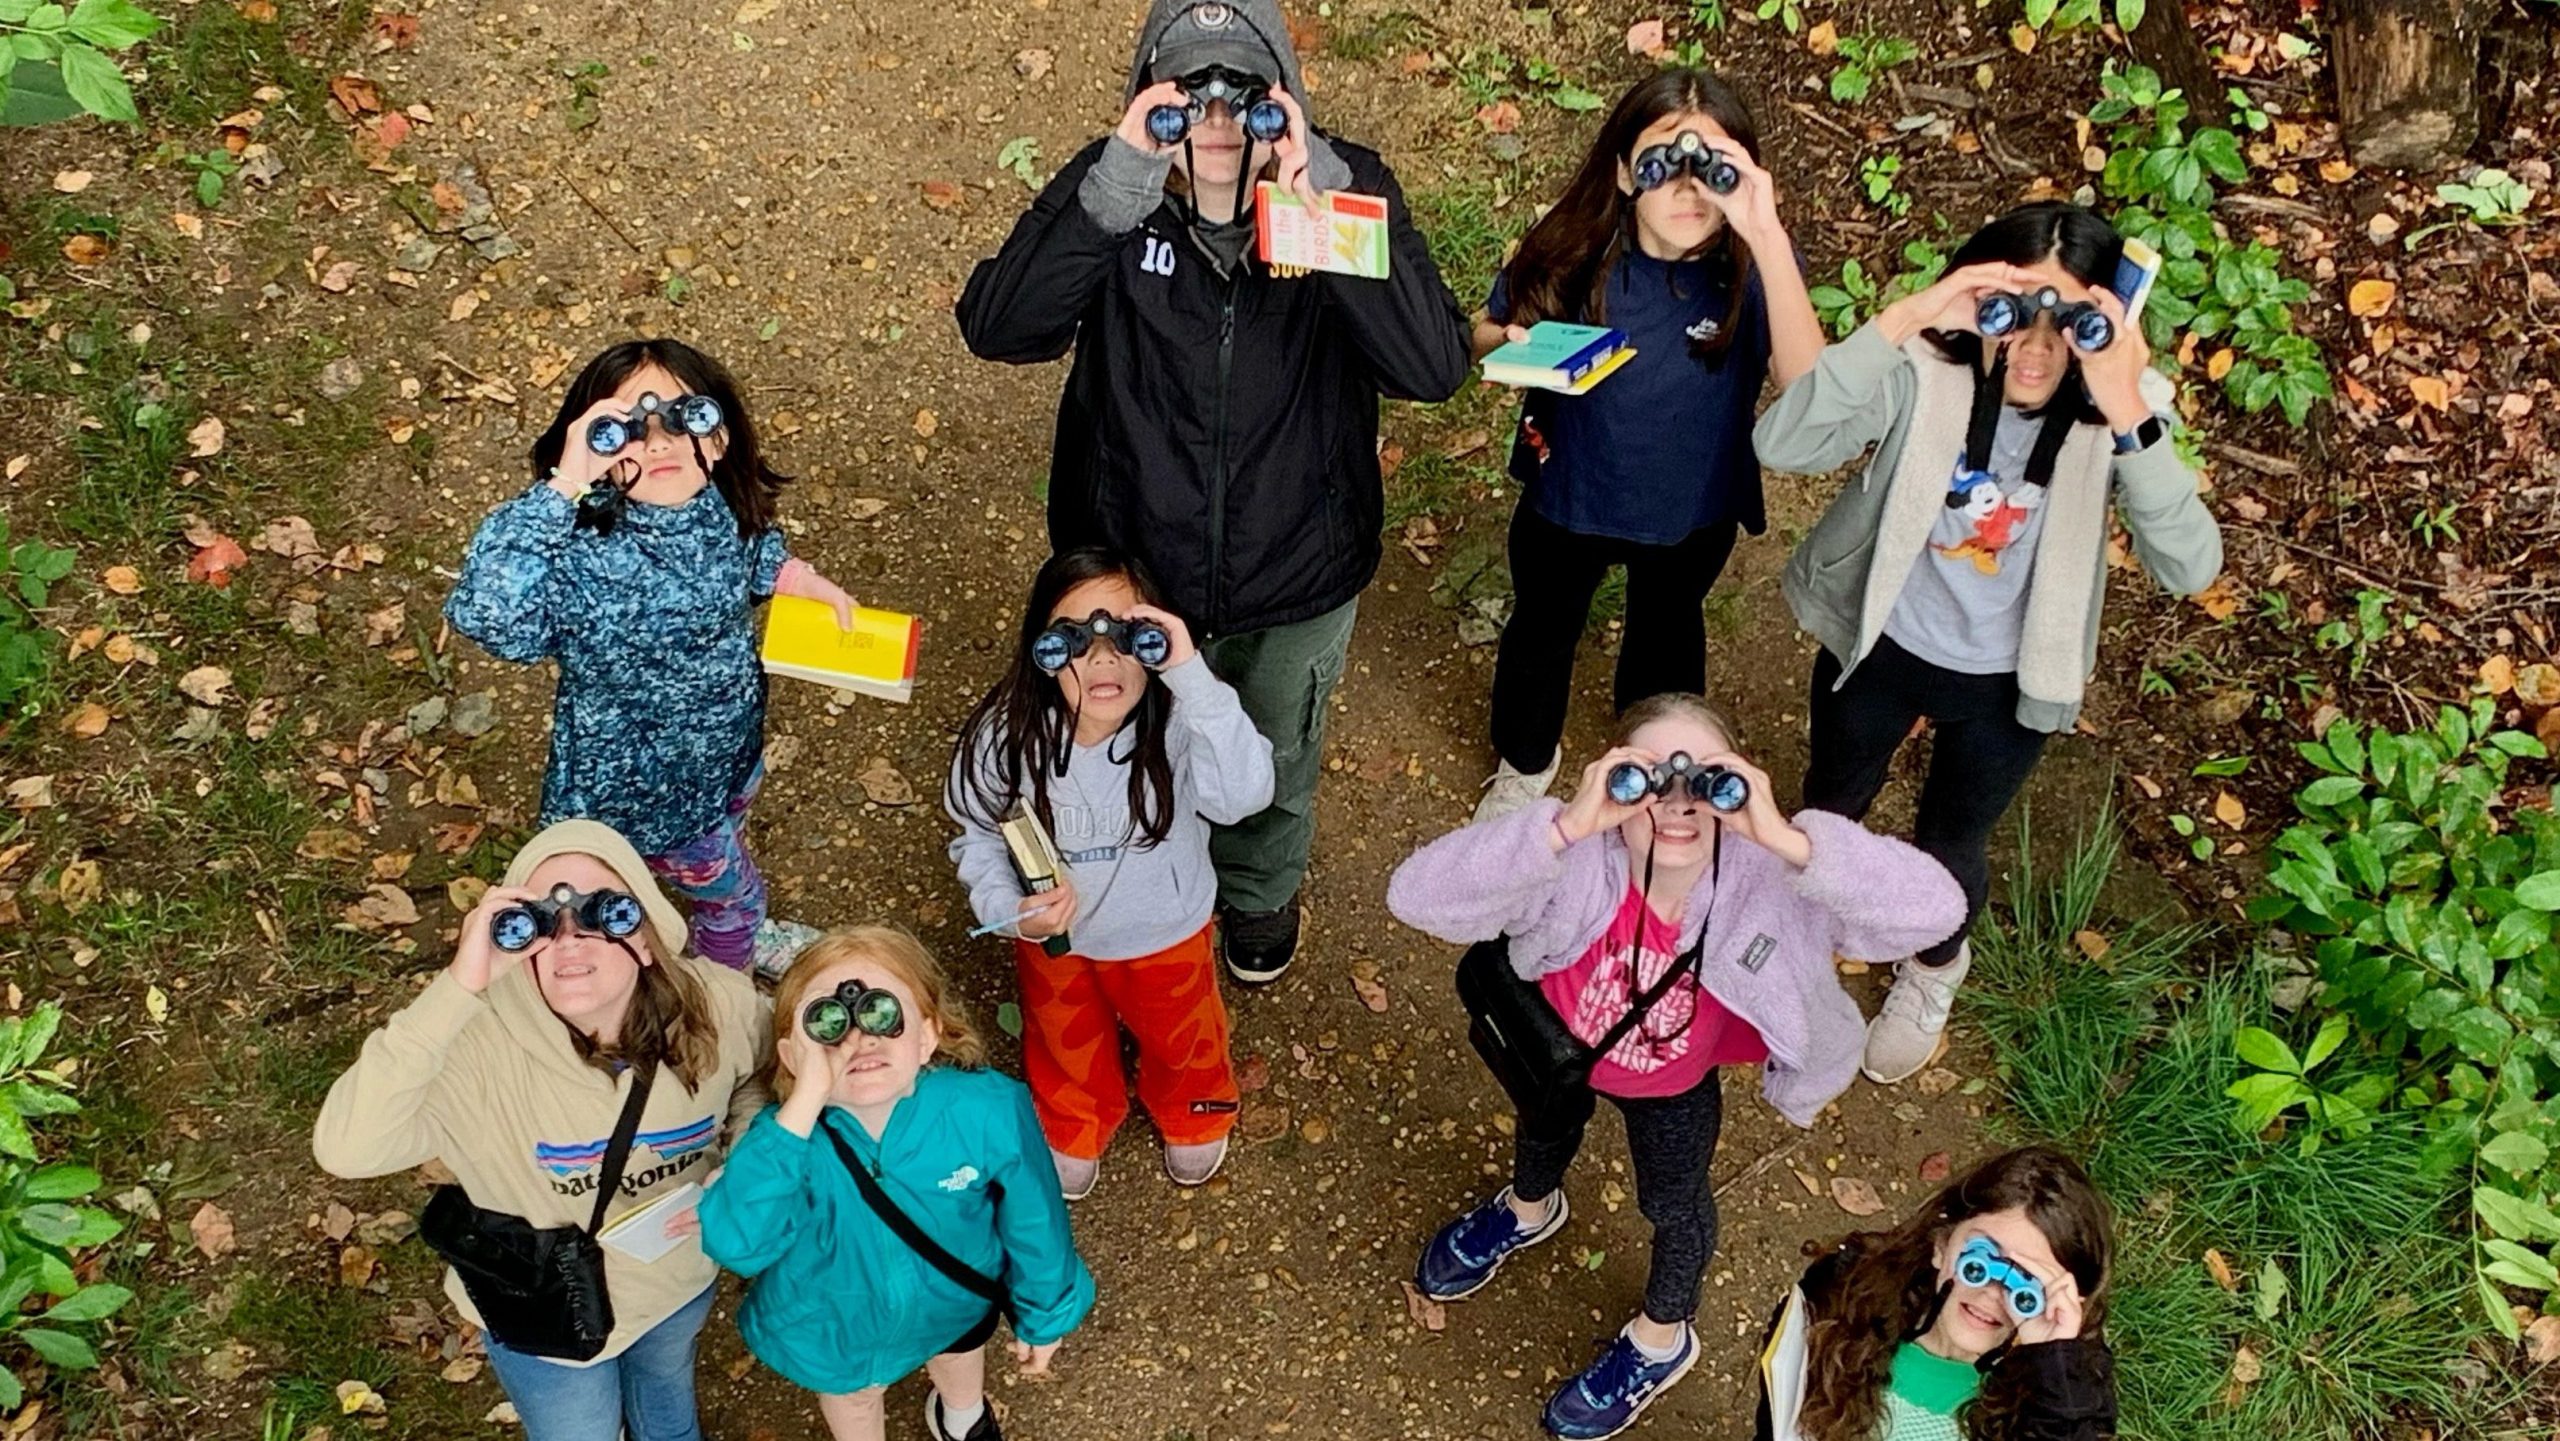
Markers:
1218,462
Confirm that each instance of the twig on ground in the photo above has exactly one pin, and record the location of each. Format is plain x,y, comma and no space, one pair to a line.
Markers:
2258,461
609,222
1770,1158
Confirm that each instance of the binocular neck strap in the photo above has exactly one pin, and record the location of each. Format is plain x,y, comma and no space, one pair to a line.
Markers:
1989,389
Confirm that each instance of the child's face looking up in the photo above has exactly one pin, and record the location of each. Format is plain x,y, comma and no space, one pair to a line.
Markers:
1679,217
1976,1321
668,473
2039,358
1103,685
866,1072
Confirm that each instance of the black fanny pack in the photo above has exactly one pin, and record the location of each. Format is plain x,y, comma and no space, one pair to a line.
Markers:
540,1290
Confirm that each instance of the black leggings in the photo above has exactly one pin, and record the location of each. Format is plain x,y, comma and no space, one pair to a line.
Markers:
1554,574
1979,758
1671,1139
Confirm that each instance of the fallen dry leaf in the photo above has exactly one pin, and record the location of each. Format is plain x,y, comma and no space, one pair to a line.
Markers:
330,843
206,438
206,685
943,194
212,1231
122,579
1823,39
289,536
1422,1311
2542,1340
927,423
2228,810
355,1266
395,31
1855,1196
80,885
355,95
2091,944
1372,994
337,1222
462,1370
1644,37
85,250
88,721
884,785
1033,63
2369,298
339,277
355,1396
72,182
464,892
1934,1168
383,906
2432,392
215,560
2223,1275
1501,117
31,793
2498,675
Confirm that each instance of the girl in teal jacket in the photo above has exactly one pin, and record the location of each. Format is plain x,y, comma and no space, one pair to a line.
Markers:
838,1302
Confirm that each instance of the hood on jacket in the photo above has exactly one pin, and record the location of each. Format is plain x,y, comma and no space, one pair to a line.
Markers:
1180,36
604,843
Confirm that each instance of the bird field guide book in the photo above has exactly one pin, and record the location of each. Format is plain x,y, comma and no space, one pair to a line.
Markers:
641,1232
1345,232
1557,356
1036,861
877,657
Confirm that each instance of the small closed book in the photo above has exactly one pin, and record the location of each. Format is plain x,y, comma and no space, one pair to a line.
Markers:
641,1233
877,657
1556,356
1036,861
1344,232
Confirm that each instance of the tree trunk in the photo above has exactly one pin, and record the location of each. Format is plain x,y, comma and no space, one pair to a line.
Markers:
2408,75
2517,50
2166,43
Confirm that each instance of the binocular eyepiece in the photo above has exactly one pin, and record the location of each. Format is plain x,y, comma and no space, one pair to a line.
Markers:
1980,1263
2003,313
1247,97
691,415
1724,791
1658,165
1143,641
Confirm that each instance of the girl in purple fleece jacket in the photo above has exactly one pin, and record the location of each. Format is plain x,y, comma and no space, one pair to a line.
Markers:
1776,900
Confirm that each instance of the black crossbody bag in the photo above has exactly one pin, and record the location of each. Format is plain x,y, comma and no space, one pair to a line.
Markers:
1535,1057
540,1290
986,1288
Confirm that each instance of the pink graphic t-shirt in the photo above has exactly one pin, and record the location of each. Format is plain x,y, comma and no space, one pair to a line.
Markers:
1685,1034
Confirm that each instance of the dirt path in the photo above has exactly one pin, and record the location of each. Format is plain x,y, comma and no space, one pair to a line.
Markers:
801,189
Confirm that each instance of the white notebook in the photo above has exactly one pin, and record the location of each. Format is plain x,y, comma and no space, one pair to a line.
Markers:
641,1233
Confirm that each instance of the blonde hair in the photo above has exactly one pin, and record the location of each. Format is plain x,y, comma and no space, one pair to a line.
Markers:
1676,703
888,949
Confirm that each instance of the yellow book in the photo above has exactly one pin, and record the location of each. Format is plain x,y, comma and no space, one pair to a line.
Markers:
1605,369
877,657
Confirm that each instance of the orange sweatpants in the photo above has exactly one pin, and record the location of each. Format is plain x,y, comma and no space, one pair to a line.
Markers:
1072,1012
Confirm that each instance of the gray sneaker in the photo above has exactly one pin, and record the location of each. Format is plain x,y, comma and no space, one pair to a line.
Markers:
1194,1165
777,942
1077,1176
1508,790
1911,1030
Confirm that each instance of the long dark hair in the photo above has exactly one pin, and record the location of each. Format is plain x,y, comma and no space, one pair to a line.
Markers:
1888,1292
749,485
2083,245
1562,269
1026,726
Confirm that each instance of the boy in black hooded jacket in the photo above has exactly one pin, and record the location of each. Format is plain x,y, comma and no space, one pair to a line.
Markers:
1221,421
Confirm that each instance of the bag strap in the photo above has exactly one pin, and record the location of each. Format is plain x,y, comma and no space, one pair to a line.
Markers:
968,1278
1671,974
618,1150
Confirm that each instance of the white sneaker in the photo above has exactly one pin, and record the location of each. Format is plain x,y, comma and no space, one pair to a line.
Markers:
1911,1030
1508,790
1194,1165
1076,1175
777,942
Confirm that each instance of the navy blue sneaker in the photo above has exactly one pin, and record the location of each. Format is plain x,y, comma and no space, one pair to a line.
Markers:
1466,1253
1613,1391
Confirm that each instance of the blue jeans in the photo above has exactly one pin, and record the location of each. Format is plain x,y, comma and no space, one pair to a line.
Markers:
648,1388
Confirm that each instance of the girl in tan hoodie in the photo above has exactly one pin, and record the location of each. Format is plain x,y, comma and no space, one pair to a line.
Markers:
512,1070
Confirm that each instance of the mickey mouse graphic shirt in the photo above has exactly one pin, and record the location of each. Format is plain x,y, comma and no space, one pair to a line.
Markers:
1966,601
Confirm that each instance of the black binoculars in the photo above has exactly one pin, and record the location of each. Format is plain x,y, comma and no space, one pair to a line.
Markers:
856,1005
612,914
2004,312
1721,789
1143,641
689,415
1658,165
1247,98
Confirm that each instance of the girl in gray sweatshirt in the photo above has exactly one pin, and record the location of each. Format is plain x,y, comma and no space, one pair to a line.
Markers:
1112,732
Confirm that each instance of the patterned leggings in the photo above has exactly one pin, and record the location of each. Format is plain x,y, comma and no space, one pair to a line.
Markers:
714,872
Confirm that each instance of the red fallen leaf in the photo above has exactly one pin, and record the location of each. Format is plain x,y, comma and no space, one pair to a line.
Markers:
393,128
446,195
356,95
1253,1073
1501,117
943,194
1416,62
214,563
399,31
1934,1169
1644,38
1307,33
1390,458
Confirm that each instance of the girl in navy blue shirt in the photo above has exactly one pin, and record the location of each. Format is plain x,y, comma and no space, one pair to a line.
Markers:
1653,469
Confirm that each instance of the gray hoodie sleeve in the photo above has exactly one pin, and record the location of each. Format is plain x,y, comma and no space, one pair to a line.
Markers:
1224,763
1124,186
2174,536
1858,388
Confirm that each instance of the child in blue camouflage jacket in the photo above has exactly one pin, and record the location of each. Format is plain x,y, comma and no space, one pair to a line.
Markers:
635,561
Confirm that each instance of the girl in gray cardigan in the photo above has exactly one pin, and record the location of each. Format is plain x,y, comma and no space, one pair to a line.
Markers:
1959,578
1598,901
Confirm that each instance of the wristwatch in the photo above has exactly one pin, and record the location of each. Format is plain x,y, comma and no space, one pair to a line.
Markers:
2142,437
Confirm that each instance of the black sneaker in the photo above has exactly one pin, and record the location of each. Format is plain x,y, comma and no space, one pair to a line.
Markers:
1258,945
985,1430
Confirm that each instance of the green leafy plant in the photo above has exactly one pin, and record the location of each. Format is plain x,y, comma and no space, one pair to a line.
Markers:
42,1228
1021,156
1876,176
586,93
1845,306
2363,633
2431,902
2168,178
213,168
2283,1081
1707,14
2062,16
2246,113
1864,58
1560,90
53,60
2492,197
28,571
1785,12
